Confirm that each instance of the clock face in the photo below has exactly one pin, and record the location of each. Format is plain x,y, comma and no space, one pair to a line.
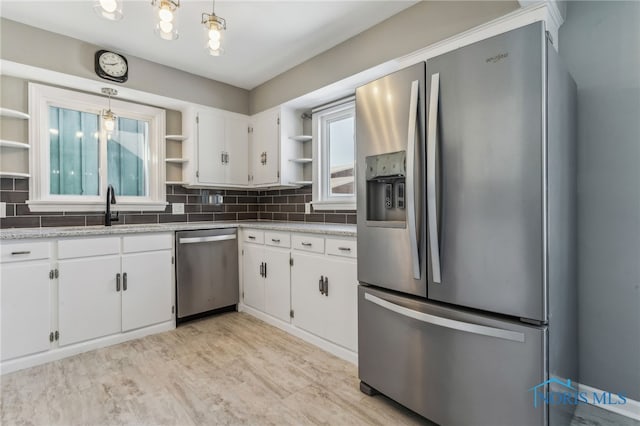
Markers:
113,64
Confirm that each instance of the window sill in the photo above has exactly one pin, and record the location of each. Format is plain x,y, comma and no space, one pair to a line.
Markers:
62,206
333,205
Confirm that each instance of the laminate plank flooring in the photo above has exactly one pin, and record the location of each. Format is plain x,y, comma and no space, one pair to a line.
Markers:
227,369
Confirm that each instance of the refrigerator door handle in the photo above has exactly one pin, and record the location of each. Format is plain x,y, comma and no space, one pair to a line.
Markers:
432,207
446,322
411,164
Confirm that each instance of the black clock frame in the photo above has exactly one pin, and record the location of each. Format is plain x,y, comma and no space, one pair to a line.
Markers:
100,72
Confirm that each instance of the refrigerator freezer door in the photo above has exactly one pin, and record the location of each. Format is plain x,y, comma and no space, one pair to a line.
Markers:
453,367
390,125
487,142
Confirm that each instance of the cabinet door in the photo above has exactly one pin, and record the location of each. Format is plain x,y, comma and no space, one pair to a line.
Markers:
89,302
146,299
341,316
307,302
265,143
25,314
277,289
210,140
237,148
253,282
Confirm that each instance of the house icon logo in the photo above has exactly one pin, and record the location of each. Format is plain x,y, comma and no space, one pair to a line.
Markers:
541,396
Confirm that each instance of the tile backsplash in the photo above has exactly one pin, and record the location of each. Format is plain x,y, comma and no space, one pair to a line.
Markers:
237,205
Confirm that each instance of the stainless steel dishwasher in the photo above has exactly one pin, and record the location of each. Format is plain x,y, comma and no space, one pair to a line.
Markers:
206,272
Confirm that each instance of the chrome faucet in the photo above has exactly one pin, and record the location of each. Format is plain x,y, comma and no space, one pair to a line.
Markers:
111,199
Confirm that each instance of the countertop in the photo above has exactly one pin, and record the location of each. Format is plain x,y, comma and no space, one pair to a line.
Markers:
81,231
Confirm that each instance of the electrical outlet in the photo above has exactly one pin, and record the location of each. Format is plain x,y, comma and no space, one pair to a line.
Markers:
177,208
307,208
3,209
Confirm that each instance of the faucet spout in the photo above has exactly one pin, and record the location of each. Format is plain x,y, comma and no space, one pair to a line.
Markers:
111,199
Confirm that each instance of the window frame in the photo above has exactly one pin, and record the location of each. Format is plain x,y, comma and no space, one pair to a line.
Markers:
41,97
322,198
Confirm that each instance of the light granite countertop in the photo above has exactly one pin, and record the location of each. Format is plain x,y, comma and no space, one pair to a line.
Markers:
81,231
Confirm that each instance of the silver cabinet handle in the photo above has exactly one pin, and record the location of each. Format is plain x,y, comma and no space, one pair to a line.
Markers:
344,248
193,240
411,165
306,244
432,207
321,284
326,286
251,237
275,240
118,282
16,253
265,269
261,269
222,157
446,322
124,282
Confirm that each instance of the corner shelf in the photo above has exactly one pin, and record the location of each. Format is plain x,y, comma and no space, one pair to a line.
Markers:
14,144
175,137
301,138
15,175
175,160
12,113
301,182
301,160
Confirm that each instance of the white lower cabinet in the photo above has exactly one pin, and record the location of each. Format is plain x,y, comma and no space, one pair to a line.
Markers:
266,280
88,298
324,294
25,315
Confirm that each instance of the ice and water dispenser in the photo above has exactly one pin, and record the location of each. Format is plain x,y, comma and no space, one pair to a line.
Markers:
386,192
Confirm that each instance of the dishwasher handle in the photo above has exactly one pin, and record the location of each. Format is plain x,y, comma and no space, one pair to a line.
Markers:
192,240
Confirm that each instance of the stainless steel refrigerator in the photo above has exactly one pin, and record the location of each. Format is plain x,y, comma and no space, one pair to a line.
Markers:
466,187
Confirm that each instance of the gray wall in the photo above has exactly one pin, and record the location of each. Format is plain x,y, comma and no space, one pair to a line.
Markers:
64,54
600,42
414,28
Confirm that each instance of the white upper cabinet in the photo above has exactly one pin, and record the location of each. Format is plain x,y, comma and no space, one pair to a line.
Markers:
219,144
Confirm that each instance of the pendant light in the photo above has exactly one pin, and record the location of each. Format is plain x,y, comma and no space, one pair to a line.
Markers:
108,117
108,9
214,26
166,15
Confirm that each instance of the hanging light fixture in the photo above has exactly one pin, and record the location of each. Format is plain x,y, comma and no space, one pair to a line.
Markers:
166,12
108,117
108,9
214,26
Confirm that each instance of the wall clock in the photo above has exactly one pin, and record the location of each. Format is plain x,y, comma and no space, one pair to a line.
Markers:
111,66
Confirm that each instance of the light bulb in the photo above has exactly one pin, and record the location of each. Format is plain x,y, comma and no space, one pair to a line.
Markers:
214,34
214,44
165,27
109,5
165,14
109,124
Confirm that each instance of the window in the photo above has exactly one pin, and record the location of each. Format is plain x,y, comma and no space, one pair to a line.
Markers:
334,184
73,159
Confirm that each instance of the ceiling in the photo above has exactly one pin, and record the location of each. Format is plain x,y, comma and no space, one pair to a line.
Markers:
263,38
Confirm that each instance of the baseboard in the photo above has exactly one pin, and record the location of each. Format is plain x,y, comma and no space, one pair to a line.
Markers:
631,409
55,354
332,348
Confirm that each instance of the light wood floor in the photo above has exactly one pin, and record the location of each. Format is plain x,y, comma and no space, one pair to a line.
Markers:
227,369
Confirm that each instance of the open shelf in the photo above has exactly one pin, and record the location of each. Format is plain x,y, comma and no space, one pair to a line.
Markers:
12,113
176,160
301,160
15,175
175,182
175,137
14,144
301,138
301,182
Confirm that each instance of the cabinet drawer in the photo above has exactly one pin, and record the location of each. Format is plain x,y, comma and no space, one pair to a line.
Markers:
151,242
85,247
28,250
252,236
278,239
308,243
339,247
